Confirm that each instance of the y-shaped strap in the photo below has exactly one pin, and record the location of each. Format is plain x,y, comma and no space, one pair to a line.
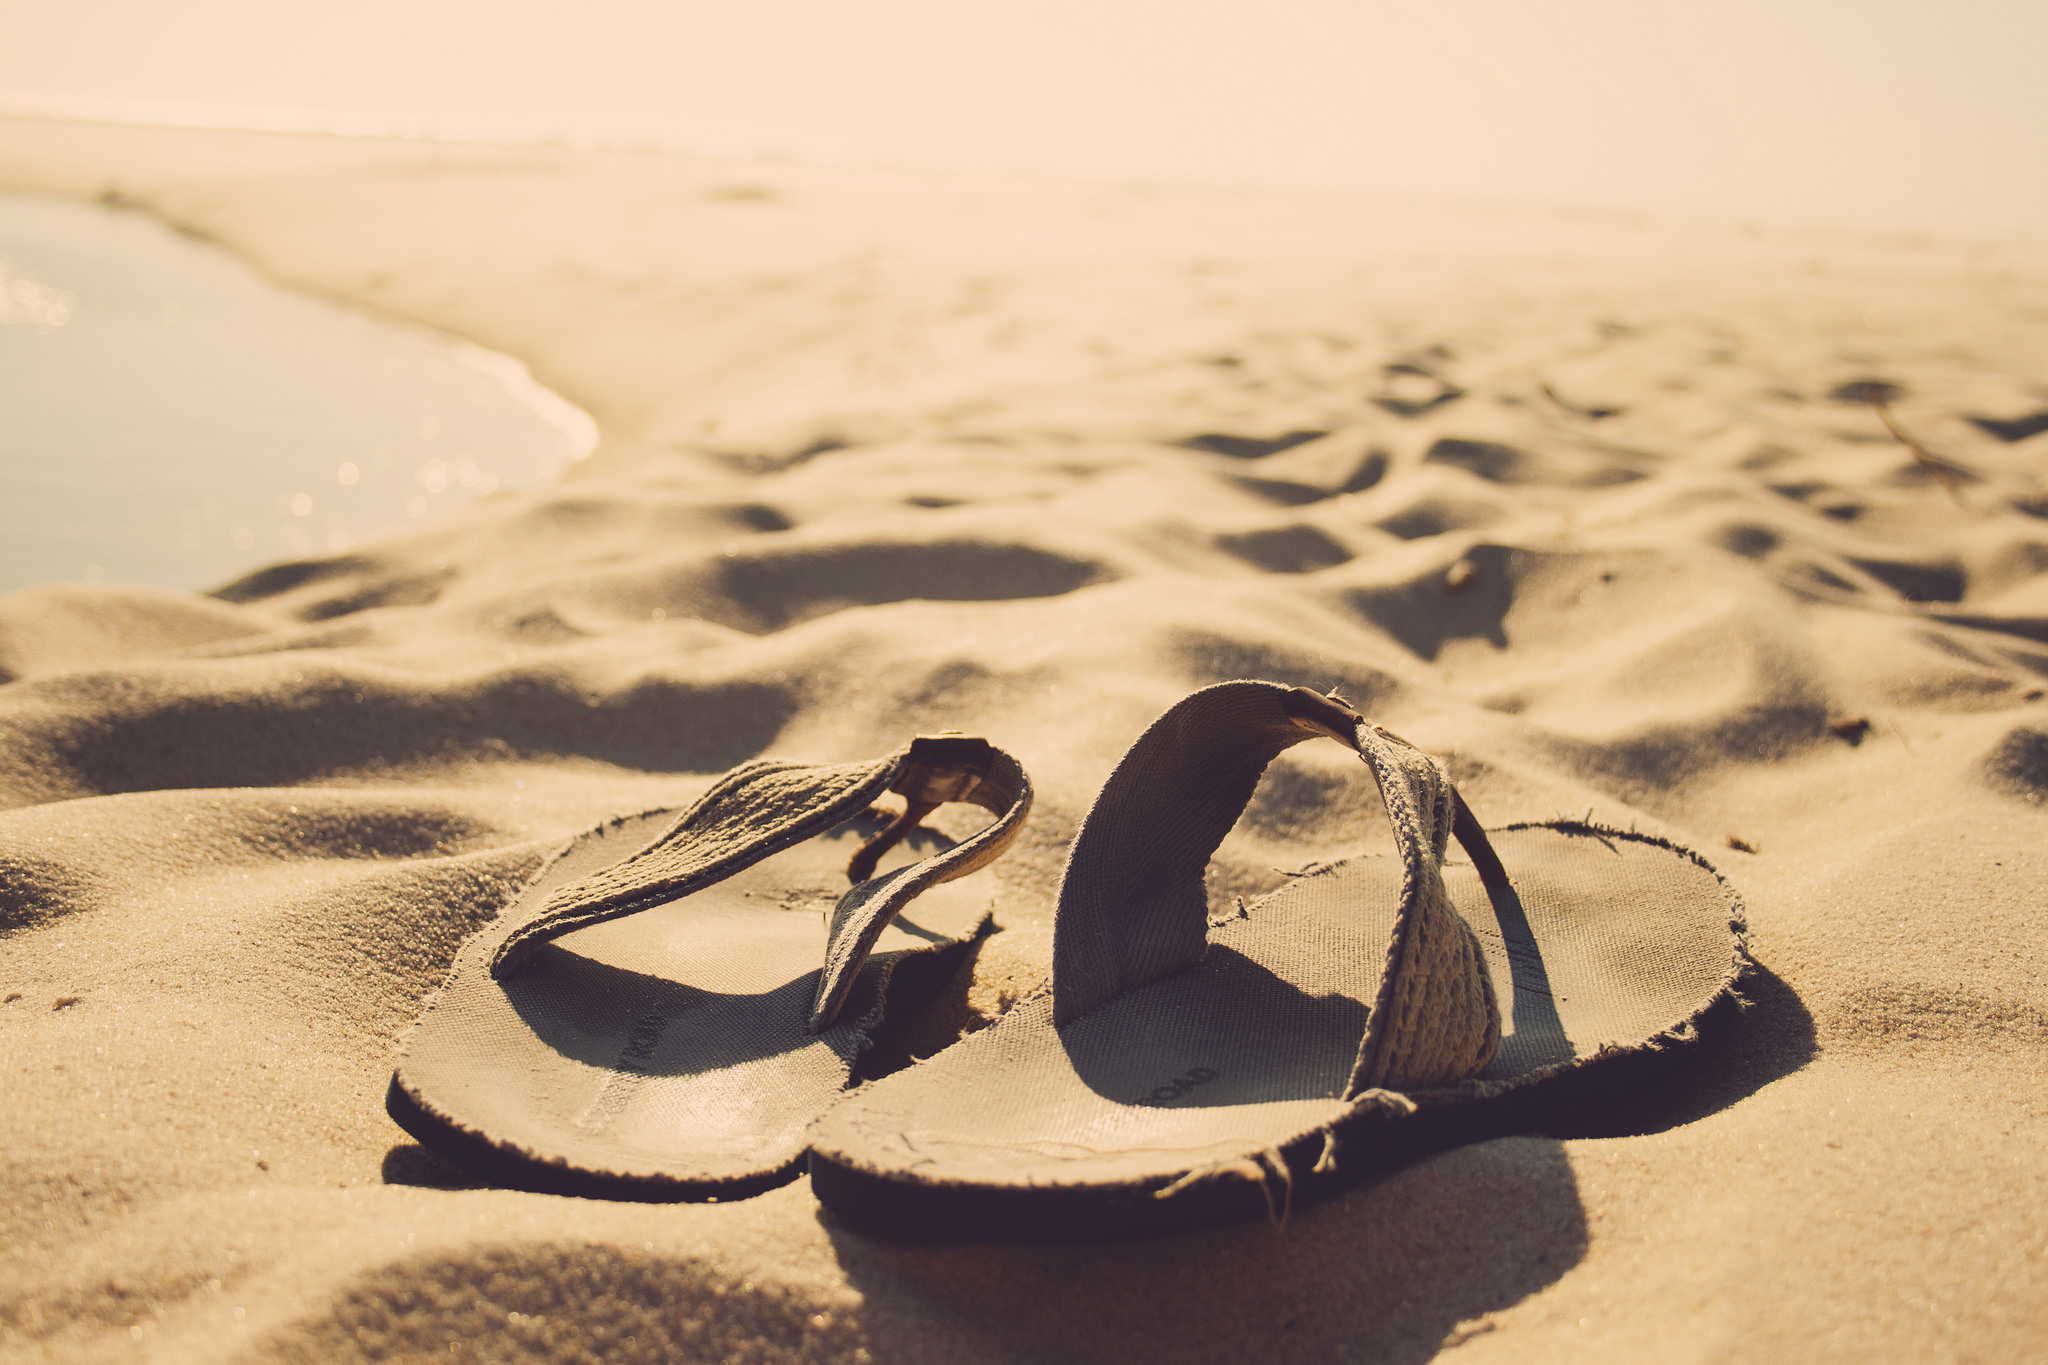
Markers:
761,808
1133,908
953,769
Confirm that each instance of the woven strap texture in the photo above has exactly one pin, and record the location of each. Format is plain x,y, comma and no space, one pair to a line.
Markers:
764,807
1133,907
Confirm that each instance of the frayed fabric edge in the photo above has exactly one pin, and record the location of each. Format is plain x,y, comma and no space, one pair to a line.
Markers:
1268,1168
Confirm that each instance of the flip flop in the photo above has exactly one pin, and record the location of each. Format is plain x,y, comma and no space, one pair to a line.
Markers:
1177,1075
650,1019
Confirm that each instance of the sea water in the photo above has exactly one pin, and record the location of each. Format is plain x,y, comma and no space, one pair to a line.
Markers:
169,417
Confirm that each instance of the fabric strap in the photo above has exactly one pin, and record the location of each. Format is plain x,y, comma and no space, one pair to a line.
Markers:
1133,907
764,807
969,770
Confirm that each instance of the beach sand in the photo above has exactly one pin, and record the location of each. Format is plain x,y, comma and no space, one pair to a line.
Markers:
1594,508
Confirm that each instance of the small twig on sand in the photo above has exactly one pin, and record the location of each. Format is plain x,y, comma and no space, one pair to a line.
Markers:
1940,471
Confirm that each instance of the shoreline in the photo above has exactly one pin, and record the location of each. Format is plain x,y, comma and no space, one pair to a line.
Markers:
150,435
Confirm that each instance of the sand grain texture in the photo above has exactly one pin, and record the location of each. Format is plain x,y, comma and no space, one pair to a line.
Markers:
1594,508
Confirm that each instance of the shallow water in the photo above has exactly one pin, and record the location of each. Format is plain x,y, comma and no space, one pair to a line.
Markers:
169,417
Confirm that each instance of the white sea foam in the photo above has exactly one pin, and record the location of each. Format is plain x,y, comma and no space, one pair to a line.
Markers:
578,428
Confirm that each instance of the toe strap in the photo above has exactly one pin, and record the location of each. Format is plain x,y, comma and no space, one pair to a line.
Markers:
764,807
941,769
1133,908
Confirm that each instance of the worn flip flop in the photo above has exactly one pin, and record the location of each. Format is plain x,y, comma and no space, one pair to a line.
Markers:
650,1018
1176,1076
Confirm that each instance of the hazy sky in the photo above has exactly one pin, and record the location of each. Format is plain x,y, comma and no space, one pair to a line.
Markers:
1862,113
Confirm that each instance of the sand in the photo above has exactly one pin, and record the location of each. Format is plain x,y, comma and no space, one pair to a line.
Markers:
1587,509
